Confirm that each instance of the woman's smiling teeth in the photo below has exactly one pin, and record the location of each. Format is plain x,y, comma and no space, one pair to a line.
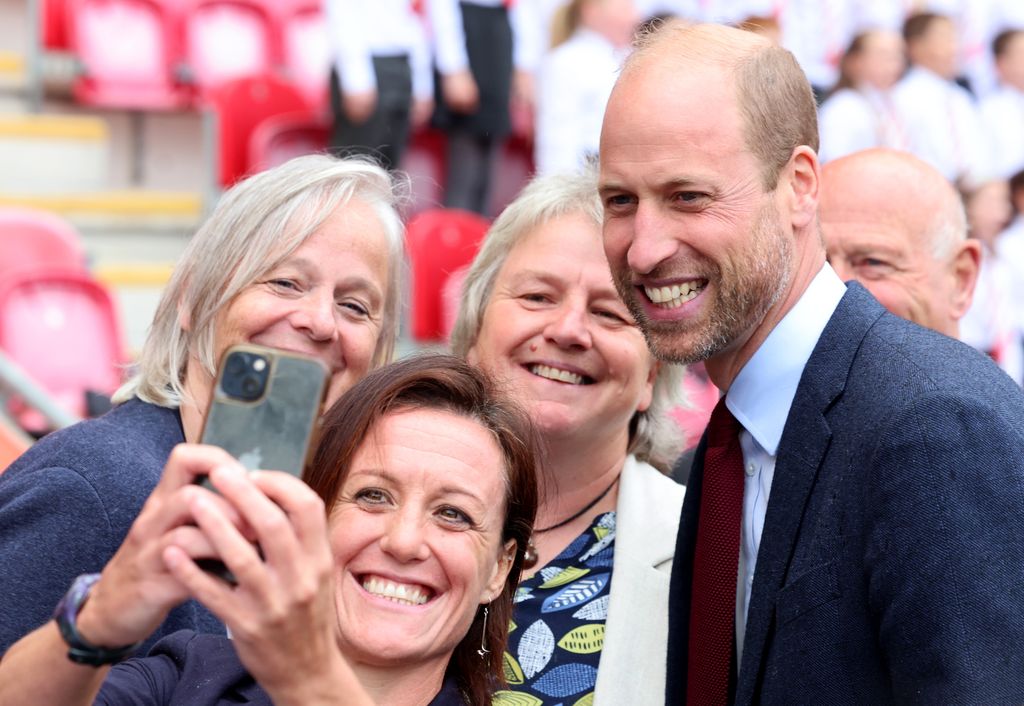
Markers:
404,593
546,371
675,295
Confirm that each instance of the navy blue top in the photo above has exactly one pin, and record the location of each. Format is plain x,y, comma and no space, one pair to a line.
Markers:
66,505
191,669
557,631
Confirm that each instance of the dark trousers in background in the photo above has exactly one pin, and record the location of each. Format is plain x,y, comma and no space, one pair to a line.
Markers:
468,176
474,140
385,134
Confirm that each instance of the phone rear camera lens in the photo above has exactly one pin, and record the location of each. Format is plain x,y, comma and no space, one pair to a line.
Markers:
251,387
235,364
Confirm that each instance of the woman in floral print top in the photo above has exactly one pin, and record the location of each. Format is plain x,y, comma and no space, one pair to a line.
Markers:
540,311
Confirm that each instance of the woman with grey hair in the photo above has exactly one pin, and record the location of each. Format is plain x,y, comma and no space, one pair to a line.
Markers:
304,257
540,311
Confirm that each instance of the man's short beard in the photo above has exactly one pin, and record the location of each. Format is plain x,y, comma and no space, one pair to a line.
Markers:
744,297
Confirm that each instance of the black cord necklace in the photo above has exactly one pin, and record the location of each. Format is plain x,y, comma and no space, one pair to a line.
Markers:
530,555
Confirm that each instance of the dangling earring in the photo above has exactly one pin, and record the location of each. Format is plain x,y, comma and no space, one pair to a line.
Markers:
483,638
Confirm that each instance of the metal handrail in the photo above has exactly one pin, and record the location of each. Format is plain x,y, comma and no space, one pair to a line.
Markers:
14,378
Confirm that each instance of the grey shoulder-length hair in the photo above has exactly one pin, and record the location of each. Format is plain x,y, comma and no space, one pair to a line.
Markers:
654,435
256,225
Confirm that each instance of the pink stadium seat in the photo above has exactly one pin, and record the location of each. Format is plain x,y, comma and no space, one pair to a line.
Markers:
128,53
31,239
439,241
701,396
228,39
241,105
305,49
62,328
278,138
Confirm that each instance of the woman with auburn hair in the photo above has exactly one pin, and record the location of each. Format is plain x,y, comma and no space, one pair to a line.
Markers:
389,579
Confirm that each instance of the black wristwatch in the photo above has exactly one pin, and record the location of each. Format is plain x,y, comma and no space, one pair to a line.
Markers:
66,615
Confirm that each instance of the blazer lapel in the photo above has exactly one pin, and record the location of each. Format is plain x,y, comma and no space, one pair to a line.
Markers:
805,440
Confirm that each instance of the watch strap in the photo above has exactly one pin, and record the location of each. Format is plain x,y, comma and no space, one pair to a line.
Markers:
66,614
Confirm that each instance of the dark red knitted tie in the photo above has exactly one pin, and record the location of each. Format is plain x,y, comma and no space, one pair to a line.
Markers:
715,562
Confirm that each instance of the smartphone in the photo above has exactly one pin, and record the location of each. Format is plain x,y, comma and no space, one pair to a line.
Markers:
265,407
264,411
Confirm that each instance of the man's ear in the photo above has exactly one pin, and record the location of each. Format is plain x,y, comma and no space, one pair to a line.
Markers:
803,179
963,268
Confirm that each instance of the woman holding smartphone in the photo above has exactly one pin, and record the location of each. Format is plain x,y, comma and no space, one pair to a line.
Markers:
399,594
305,257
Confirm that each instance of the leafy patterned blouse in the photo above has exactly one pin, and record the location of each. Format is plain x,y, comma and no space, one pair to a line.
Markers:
557,629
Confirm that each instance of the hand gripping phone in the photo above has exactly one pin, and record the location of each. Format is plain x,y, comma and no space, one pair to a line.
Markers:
264,411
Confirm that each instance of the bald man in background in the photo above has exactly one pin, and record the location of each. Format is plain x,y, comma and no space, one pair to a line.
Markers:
896,225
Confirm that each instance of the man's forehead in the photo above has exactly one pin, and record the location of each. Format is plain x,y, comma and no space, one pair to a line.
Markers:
649,112
862,232
660,75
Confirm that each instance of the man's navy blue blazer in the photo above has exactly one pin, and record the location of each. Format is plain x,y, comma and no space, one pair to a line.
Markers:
891,567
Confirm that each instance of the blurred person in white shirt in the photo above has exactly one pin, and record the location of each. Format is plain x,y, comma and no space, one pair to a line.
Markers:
990,325
482,63
817,32
946,126
1010,249
977,24
859,113
1002,112
577,77
381,80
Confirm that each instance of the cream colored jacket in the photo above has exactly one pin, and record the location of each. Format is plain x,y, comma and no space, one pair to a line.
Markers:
632,668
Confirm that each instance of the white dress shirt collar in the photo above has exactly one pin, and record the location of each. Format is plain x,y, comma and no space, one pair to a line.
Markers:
763,392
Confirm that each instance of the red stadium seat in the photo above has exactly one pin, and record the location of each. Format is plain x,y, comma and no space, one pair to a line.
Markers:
305,49
241,105
31,239
53,24
62,328
228,39
128,53
439,241
281,137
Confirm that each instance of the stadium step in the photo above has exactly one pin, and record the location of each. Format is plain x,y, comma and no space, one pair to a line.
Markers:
48,153
12,71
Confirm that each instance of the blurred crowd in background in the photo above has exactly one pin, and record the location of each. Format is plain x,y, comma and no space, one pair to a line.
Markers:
942,80
473,98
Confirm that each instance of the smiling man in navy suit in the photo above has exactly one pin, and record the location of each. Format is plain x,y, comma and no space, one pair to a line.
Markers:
872,507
